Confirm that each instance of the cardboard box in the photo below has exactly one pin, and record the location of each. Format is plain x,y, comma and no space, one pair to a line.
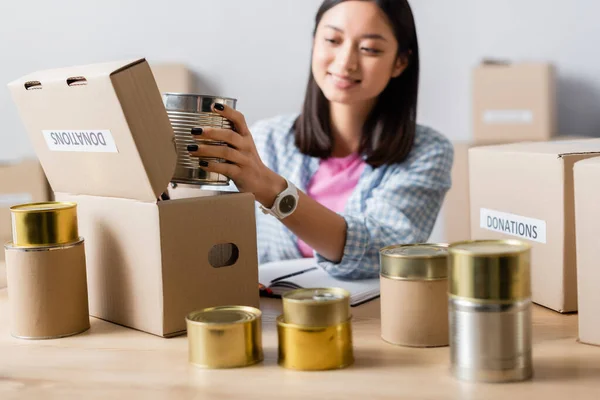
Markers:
525,191
105,142
587,217
455,213
21,181
514,102
174,78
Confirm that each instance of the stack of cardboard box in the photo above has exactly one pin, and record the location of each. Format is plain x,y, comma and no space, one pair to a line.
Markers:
542,192
510,103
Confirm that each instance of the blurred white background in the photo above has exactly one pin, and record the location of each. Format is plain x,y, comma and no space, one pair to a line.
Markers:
258,50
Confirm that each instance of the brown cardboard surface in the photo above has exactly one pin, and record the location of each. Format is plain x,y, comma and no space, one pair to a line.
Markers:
148,263
414,313
2,274
533,180
21,181
174,78
118,99
587,213
455,212
47,291
514,102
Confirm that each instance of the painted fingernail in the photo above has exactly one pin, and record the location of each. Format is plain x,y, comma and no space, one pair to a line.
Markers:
219,106
196,131
203,163
192,147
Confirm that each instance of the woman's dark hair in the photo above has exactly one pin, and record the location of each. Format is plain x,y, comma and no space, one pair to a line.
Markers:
389,131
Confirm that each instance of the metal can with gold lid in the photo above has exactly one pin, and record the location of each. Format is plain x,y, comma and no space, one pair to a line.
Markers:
414,294
315,329
490,310
44,224
225,337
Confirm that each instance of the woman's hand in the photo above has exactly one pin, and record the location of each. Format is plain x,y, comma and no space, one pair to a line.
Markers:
246,169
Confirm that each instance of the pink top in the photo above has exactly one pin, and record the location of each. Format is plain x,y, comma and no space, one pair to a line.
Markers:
332,184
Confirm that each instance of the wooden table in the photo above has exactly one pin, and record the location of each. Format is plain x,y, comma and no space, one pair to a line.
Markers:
111,361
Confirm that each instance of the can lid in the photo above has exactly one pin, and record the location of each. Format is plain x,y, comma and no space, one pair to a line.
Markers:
496,271
316,295
224,315
42,207
493,248
425,261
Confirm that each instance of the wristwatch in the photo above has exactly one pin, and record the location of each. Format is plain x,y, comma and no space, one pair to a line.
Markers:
285,203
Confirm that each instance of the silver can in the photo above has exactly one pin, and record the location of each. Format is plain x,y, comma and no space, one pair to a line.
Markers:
187,111
490,310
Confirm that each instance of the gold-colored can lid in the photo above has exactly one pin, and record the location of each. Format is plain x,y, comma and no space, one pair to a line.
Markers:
44,224
316,306
224,315
496,271
424,262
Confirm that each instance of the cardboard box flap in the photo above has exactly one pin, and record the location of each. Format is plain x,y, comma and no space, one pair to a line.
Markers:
99,130
557,148
588,163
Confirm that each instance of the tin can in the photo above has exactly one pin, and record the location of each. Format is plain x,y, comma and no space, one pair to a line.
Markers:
312,348
414,294
490,310
225,337
187,111
316,307
44,224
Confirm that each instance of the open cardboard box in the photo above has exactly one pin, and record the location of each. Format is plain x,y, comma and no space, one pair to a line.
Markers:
103,138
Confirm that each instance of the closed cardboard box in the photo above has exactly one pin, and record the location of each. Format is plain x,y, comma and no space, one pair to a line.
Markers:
514,102
587,217
455,213
21,181
525,191
103,137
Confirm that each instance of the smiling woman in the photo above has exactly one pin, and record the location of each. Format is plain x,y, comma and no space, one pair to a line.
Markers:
353,172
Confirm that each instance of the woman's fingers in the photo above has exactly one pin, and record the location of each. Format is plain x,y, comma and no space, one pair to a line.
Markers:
230,170
217,151
234,116
223,135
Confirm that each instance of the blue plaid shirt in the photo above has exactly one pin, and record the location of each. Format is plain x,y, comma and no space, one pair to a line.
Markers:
391,204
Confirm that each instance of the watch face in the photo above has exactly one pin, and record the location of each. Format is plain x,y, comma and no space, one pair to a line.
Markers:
287,204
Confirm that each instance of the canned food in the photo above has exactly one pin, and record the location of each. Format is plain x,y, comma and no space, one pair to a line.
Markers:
316,307
44,224
47,288
187,111
225,337
490,310
414,294
312,348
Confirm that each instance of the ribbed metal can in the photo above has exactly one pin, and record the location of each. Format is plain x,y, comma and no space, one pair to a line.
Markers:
414,294
187,111
225,337
490,310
